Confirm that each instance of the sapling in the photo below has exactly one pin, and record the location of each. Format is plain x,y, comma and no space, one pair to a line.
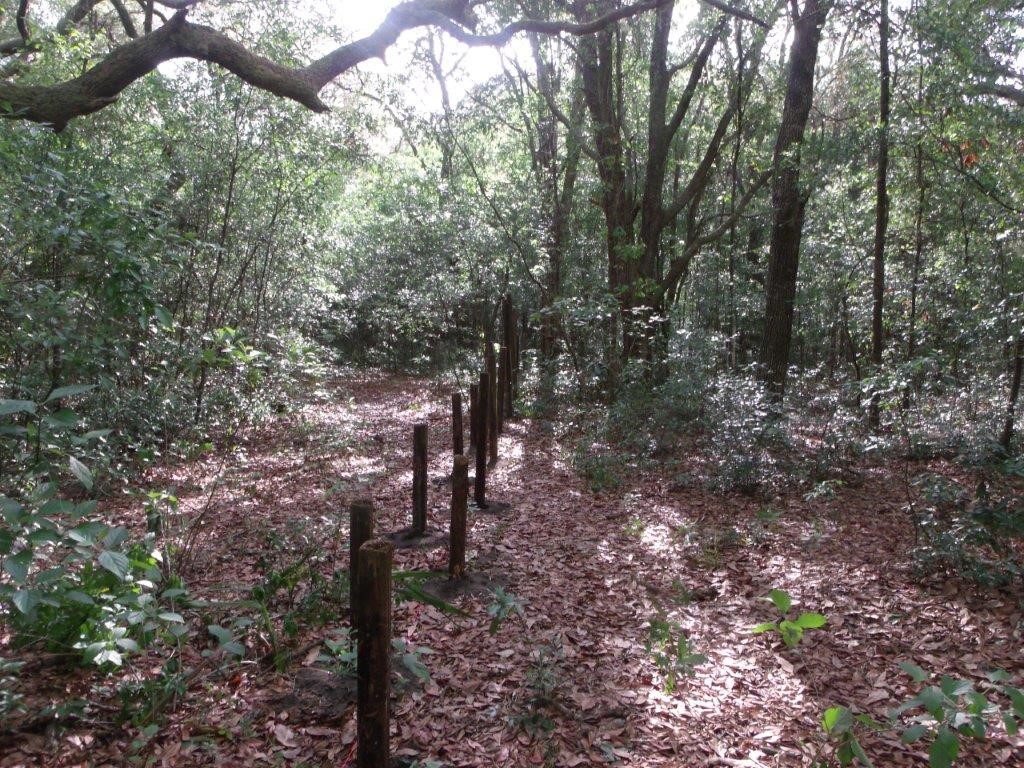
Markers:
791,630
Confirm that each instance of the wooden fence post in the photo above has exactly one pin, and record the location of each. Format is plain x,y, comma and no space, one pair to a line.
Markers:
474,405
507,372
373,664
360,531
480,483
457,447
419,478
491,403
499,392
457,533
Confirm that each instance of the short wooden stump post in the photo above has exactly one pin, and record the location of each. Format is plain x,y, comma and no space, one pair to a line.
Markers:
373,672
457,532
480,482
474,407
457,446
419,479
360,531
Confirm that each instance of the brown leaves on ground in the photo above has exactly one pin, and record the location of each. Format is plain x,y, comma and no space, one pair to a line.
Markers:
571,684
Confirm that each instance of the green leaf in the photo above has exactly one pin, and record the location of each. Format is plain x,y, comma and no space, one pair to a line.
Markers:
1010,723
781,599
80,471
768,626
791,633
71,391
913,733
953,687
25,599
944,749
115,562
933,700
811,621
18,564
917,674
9,407
861,755
221,634
837,720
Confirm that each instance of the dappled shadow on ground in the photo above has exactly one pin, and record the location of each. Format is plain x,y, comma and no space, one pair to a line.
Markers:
571,683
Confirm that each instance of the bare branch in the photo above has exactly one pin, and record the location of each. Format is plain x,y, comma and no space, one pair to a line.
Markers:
21,20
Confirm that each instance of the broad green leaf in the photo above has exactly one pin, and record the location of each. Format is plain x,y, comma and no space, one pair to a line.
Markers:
917,674
791,633
933,700
1010,723
811,621
768,626
221,634
10,407
913,733
944,749
837,720
80,471
25,599
859,752
115,562
18,564
781,599
953,687
70,391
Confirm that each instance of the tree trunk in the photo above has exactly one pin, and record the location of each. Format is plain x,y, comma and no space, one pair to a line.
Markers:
788,201
881,211
1018,364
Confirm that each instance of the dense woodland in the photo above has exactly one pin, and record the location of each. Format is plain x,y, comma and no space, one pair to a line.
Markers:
745,282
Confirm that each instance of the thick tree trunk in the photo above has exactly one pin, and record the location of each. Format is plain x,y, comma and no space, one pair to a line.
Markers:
881,211
788,201
1011,407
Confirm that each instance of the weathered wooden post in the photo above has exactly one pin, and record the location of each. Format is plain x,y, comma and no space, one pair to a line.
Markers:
491,405
373,670
480,482
499,393
474,406
457,533
419,479
457,447
507,373
360,531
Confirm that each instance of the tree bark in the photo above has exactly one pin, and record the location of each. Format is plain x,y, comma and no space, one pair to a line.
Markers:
881,211
1018,366
788,201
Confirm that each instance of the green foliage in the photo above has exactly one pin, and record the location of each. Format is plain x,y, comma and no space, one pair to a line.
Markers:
970,536
952,709
842,730
670,648
790,630
503,605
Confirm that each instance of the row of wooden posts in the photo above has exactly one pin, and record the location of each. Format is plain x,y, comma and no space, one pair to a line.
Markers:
371,559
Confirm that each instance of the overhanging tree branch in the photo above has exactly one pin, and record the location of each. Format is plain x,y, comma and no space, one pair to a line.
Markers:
100,86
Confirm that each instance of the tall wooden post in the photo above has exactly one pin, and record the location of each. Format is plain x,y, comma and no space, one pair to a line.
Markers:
499,394
419,478
474,406
457,447
480,483
507,374
373,670
457,533
360,531
491,402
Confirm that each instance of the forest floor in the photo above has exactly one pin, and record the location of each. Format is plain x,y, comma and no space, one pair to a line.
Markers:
571,683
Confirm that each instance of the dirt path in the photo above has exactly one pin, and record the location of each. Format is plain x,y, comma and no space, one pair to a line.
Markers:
572,684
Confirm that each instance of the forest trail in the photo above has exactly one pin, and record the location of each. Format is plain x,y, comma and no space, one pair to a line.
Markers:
572,683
